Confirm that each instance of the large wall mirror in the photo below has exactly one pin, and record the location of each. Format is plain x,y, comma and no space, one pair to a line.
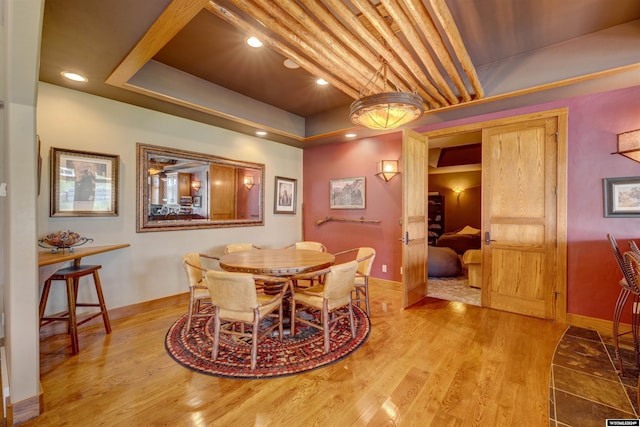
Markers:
184,190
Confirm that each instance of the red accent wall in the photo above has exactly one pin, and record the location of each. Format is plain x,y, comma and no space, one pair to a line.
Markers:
594,122
383,200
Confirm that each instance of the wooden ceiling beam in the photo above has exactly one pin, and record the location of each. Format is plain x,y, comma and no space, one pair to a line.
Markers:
445,19
173,19
404,54
299,19
299,38
433,40
398,15
284,50
343,12
346,37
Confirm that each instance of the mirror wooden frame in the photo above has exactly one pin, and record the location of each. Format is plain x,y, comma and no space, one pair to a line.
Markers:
146,221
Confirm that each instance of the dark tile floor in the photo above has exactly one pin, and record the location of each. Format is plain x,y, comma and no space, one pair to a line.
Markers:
585,387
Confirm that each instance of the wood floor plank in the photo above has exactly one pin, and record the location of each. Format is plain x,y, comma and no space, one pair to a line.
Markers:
438,363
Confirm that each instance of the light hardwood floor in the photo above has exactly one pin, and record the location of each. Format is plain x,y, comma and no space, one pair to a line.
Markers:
439,363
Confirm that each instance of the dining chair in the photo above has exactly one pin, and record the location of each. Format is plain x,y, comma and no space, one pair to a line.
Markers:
198,291
330,301
365,257
628,286
309,245
240,247
305,280
236,301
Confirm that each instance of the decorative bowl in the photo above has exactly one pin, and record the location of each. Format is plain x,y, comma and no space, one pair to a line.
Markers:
62,240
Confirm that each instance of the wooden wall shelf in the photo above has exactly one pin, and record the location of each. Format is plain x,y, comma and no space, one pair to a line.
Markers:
333,218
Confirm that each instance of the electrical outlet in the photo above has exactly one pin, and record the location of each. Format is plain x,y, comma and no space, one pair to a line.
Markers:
384,268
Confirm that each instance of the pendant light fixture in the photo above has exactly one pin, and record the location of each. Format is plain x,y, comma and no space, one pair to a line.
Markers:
385,110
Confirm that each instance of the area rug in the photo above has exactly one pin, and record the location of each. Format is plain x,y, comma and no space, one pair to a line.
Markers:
453,289
293,355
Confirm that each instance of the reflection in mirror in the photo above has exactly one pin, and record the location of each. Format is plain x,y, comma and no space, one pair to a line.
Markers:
183,190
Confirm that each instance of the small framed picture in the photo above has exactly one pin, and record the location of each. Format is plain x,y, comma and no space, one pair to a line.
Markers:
622,197
347,193
197,201
285,195
83,183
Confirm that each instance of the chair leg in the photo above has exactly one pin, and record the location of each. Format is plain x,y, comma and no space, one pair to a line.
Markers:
325,326
103,306
254,339
634,327
292,322
620,304
73,325
190,313
280,326
351,321
366,295
216,335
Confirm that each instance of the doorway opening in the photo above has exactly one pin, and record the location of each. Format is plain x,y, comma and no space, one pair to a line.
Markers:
454,217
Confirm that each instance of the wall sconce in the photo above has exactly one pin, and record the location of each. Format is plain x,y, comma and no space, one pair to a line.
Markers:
196,185
629,145
387,169
458,192
248,182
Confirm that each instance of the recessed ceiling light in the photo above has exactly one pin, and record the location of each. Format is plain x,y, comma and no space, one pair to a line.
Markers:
322,82
74,76
350,135
291,64
261,133
254,42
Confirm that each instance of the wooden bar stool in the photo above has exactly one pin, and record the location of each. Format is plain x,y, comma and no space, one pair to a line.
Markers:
71,276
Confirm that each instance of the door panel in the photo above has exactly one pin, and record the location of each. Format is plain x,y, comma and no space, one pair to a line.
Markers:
414,217
519,215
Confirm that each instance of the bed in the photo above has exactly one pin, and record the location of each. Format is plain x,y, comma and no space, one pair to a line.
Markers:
461,240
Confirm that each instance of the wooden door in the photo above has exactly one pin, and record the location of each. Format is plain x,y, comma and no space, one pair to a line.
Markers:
519,176
222,183
414,216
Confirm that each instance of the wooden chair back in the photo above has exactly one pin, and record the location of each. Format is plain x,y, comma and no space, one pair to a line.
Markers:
239,247
309,245
339,283
193,268
365,259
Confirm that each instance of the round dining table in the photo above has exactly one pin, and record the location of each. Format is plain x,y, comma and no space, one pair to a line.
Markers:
277,262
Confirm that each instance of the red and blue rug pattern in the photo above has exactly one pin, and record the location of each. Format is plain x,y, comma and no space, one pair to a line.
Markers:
293,355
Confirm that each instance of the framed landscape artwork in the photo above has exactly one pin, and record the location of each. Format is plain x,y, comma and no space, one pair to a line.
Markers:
347,193
285,196
83,183
622,197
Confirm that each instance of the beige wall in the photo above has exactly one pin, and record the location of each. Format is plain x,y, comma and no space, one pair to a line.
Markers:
151,267
21,47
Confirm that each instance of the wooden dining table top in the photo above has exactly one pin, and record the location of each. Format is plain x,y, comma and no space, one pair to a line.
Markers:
277,262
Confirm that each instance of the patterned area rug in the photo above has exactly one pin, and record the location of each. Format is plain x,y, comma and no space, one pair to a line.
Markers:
292,355
453,289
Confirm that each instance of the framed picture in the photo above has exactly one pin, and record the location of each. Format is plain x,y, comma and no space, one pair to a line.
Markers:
197,201
347,193
83,183
285,196
622,197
